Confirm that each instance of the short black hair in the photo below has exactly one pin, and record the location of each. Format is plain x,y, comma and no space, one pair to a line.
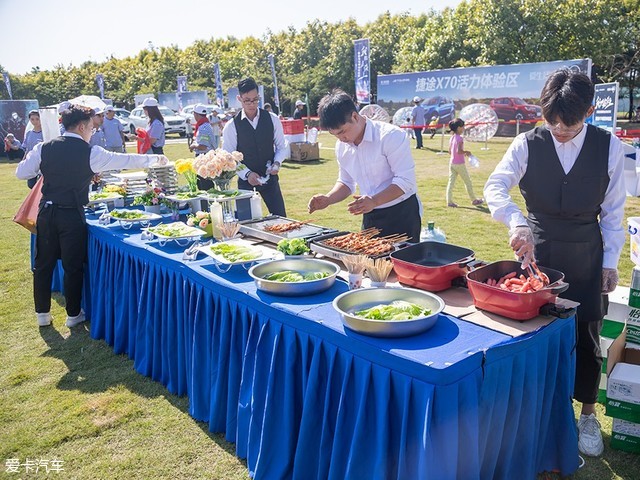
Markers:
335,109
566,96
33,112
455,124
76,114
246,85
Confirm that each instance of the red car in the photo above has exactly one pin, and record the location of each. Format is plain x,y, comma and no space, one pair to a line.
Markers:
514,108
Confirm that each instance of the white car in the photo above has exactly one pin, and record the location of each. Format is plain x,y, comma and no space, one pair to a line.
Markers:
173,123
123,117
187,112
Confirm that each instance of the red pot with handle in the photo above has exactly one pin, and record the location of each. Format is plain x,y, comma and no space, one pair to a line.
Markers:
514,305
431,265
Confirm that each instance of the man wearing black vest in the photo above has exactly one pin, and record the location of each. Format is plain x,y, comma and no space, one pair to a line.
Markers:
258,134
571,177
68,163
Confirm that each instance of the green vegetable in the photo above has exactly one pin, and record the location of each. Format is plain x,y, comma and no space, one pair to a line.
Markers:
187,195
289,276
398,310
294,246
174,230
102,195
214,192
128,214
236,253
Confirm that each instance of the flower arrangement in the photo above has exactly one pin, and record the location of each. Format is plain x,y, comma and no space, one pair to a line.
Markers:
218,165
201,220
152,196
184,166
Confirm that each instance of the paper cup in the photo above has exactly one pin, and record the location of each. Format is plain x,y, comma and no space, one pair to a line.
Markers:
355,281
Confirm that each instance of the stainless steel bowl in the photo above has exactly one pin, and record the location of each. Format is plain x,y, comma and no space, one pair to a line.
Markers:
354,300
300,265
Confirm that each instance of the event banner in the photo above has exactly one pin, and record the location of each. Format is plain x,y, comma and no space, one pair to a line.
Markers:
173,100
219,94
511,90
362,70
100,82
182,88
276,97
606,106
14,116
7,82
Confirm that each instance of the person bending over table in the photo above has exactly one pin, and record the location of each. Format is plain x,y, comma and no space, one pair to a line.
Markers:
571,177
259,136
376,157
68,163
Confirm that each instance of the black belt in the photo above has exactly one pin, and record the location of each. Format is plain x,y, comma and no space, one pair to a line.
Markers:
49,203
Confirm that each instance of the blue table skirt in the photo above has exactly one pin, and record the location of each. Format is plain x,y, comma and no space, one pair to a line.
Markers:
303,398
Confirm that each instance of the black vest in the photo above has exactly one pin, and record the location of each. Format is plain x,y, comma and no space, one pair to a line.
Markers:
65,165
256,144
563,213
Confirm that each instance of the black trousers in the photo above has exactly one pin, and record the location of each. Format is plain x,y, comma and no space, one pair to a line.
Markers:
271,194
15,154
418,132
402,218
61,233
157,150
588,362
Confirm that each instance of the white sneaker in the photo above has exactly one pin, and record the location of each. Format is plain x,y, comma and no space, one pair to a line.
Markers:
77,320
44,319
589,436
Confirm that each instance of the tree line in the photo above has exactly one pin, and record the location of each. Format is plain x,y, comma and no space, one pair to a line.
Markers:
313,60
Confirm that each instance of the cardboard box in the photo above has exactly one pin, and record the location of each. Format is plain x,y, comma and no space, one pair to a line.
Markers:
303,152
625,436
623,381
612,326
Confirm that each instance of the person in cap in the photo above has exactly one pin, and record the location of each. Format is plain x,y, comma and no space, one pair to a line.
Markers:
375,157
155,130
98,138
113,131
418,120
32,138
571,176
216,123
63,106
68,163
202,140
13,147
299,113
259,136
267,108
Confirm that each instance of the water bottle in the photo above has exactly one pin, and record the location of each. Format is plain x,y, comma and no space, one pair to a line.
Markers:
312,135
473,161
216,219
256,205
432,234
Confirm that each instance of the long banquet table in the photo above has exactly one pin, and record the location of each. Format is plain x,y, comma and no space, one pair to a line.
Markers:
302,397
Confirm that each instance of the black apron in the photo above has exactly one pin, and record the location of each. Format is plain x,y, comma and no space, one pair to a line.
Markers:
563,214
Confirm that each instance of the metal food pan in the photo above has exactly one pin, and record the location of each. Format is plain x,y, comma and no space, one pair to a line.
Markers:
255,228
317,245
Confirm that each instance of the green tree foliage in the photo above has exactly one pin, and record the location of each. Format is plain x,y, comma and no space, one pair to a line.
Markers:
319,56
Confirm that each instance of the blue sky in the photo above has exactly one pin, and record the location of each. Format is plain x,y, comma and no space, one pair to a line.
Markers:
46,33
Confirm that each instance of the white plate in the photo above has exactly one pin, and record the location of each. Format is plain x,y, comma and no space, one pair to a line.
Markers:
111,198
175,198
131,175
148,216
265,253
189,232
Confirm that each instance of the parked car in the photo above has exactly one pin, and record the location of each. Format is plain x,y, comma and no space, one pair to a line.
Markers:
187,112
123,117
173,123
514,108
439,106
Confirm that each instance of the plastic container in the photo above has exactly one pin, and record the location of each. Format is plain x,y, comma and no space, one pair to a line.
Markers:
473,161
312,135
256,205
293,127
216,219
432,234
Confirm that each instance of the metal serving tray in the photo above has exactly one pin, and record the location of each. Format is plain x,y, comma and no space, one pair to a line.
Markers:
317,245
255,228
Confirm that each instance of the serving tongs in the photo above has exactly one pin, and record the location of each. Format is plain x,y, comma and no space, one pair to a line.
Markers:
191,253
534,272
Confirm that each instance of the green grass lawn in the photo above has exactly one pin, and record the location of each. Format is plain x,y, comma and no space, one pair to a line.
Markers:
66,396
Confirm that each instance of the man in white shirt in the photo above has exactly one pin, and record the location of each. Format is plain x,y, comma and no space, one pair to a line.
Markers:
376,157
113,131
259,136
571,177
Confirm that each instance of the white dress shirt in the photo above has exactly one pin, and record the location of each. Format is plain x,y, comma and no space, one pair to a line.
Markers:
100,160
230,139
513,166
382,158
